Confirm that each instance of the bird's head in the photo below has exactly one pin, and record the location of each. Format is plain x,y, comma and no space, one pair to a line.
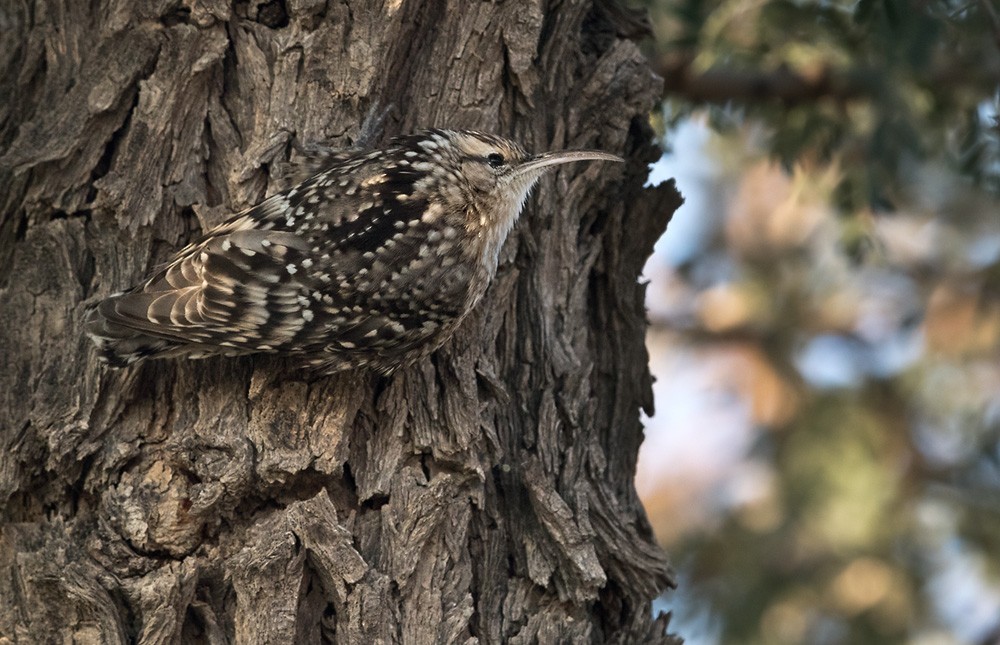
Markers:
486,177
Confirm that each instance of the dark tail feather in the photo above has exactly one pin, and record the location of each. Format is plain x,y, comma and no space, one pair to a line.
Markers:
120,345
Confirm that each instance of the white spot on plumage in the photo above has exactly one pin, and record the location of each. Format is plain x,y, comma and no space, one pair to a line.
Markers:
257,315
291,268
431,213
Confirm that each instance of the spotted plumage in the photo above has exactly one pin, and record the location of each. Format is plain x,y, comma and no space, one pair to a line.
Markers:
372,261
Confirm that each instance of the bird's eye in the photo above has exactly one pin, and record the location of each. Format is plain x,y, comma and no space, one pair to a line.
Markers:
495,159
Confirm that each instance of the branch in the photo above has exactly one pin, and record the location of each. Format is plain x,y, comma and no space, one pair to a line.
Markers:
721,85
790,87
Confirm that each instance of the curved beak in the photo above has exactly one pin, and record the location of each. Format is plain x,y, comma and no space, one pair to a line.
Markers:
544,160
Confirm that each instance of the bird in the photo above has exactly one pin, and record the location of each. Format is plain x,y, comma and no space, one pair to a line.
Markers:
371,262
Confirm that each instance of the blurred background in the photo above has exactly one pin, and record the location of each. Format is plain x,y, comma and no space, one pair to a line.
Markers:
824,462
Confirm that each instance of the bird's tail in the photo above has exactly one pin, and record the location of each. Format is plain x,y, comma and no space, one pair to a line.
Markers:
119,344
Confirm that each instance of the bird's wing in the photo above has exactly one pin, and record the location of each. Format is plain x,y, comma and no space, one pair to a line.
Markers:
303,269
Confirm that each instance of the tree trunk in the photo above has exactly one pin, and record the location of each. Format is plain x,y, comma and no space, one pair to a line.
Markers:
483,495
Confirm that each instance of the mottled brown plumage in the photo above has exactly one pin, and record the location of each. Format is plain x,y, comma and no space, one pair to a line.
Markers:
373,261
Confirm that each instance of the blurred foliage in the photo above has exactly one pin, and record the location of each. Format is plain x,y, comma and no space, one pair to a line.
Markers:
876,84
844,284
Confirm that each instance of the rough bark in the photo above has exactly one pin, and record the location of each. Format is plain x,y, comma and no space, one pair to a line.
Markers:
483,495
